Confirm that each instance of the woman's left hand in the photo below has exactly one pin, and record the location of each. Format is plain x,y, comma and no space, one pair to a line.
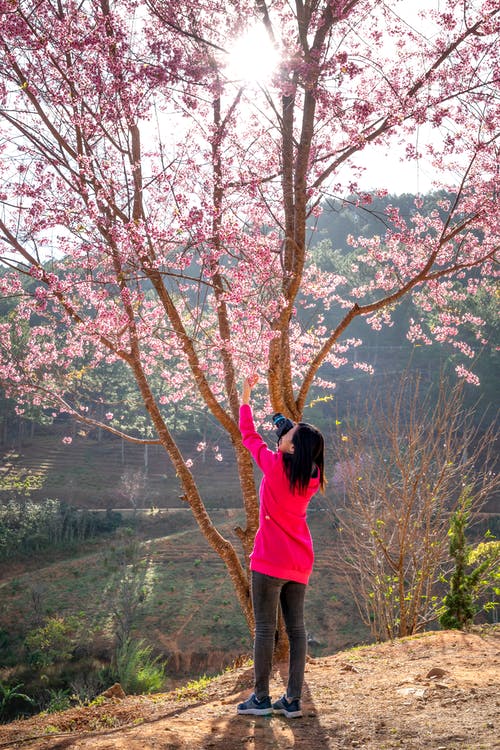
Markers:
248,384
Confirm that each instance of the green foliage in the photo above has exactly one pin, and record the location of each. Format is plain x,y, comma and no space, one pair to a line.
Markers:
4,641
9,645
10,698
52,642
194,689
20,485
59,700
27,527
476,570
137,671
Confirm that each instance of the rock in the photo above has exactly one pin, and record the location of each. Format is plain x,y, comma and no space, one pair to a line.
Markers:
435,672
115,691
346,667
416,692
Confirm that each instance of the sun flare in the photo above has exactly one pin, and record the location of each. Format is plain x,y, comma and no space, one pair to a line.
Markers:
252,58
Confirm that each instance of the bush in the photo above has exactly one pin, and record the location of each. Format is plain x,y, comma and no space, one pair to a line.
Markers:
27,527
136,670
52,642
58,700
11,700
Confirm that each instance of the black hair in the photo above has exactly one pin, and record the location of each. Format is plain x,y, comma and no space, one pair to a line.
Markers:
306,459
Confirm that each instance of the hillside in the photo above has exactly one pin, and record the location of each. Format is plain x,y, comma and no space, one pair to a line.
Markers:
375,697
111,474
189,613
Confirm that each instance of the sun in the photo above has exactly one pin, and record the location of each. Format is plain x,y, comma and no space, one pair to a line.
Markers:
252,58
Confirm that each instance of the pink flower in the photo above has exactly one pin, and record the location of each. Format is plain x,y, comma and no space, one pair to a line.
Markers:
67,440
109,415
189,463
468,376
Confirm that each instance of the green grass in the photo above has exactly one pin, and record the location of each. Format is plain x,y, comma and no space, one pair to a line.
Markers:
196,689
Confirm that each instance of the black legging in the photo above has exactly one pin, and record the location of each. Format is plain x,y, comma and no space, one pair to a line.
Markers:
266,593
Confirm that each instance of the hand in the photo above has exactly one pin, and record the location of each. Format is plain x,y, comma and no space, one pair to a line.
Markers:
248,384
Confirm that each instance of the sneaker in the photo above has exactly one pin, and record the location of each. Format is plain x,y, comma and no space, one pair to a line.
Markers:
290,709
256,707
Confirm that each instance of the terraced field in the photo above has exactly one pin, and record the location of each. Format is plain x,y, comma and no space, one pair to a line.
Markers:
113,474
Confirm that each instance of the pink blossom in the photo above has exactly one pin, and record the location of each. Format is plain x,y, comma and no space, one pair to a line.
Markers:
468,376
67,440
187,256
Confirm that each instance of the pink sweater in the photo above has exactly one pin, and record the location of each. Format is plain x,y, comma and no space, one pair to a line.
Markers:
283,546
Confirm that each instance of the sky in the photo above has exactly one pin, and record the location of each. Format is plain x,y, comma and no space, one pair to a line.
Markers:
381,168
391,172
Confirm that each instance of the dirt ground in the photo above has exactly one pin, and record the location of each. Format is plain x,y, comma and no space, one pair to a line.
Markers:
437,691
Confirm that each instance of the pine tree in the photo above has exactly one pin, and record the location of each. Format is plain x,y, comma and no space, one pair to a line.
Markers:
460,603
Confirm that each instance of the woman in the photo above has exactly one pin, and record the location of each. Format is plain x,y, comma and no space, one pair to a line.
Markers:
282,557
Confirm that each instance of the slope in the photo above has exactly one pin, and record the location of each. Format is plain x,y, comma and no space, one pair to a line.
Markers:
437,691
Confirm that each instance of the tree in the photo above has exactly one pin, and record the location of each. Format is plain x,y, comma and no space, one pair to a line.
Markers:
460,605
127,591
156,210
404,461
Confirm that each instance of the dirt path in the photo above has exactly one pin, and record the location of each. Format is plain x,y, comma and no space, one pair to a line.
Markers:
376,697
